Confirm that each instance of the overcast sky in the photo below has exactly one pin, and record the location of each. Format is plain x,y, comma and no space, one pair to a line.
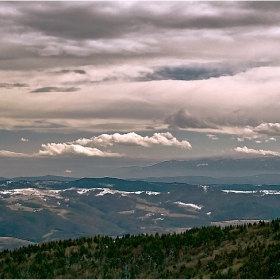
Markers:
86,86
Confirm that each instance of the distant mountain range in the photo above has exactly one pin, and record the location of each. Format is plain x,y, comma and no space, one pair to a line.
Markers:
262,179
263,170
44,210
41,178
210,167
166,197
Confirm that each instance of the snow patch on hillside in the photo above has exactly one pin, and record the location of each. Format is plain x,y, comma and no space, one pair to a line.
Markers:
189,205
31,192
265,192
205,188
261,192
124,193
107,185
243,192
56,193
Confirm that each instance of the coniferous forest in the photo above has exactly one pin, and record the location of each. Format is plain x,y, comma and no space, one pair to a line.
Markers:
243,251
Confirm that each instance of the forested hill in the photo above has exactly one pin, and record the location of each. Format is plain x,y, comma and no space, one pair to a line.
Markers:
243,251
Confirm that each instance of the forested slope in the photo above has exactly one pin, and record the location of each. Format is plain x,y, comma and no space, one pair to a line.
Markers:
244,251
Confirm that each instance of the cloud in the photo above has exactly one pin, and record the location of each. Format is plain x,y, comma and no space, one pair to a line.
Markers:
268,129
66,71
59,149
79,148
9,154
183,119
15,85
68,171
247,133
150,127
129,26
257,152
161,139
173,43
263,130
270,139
121,28
212,136
56,89
108,20
24,140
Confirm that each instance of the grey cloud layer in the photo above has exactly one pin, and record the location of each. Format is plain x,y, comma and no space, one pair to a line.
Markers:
65,71
55,89
183,119
15,85
97,20
131,66
127,31
253,126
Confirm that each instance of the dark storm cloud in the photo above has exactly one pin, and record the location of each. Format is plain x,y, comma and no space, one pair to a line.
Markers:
267,6
86,20
96,20
183,119
70,34
56,89
15,85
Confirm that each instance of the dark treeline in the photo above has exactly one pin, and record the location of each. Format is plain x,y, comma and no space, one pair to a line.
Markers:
243,251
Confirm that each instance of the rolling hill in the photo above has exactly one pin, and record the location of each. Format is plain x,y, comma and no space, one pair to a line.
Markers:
40,211
243,251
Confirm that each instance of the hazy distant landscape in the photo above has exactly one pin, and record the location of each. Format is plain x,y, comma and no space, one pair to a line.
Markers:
38,209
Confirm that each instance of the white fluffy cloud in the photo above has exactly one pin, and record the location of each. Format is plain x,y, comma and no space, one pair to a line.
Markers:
79,147
56,149
270,139
162,139
212,136
257,152
61,149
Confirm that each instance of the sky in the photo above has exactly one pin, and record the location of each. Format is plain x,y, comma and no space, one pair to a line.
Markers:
86,87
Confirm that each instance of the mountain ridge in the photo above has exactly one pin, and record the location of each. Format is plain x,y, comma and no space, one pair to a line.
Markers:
212,167
215,167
